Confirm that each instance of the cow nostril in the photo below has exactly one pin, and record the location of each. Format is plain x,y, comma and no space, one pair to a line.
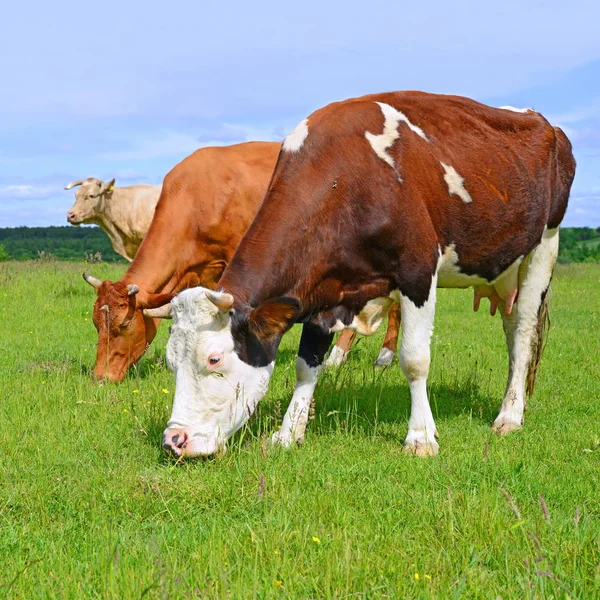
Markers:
175,442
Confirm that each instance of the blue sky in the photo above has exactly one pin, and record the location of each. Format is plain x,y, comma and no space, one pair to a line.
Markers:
128,89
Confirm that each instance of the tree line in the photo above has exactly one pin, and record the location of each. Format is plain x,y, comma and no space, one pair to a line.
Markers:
577,244
60,243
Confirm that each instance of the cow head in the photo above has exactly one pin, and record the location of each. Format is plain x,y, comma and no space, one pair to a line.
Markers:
88,199
222,357
123,331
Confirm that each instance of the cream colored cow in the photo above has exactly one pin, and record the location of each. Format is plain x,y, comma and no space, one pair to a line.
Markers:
124,213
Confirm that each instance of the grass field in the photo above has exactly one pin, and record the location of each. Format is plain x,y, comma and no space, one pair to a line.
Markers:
90,507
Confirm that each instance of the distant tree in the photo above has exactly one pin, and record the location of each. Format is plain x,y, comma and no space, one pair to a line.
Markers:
3,253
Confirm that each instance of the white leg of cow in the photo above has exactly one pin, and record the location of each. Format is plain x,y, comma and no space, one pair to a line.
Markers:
339,353
417,327
296,417
521,328
337,357
314,343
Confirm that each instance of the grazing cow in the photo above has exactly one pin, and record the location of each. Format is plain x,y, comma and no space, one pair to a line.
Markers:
125,213
373,200
206,204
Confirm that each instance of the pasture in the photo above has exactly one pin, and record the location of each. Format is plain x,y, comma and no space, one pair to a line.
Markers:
91,508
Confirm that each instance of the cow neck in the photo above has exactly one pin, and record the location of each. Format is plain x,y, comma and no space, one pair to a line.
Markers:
271,262
106,223
158,263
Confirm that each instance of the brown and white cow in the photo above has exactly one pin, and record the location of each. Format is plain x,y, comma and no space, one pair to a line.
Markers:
376,199
206,205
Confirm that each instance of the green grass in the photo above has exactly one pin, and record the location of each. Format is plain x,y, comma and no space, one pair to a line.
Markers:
90,507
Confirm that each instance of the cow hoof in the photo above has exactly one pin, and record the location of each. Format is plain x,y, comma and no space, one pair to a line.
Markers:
504,425
385,358
285,440
337,357
420,446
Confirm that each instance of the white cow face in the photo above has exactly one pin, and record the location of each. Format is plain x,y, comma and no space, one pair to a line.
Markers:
88,199
215,391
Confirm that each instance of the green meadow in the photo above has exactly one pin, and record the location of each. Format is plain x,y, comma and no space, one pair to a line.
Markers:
91,508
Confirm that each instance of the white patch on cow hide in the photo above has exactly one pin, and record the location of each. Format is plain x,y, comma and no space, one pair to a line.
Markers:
456,184
519,110
293,142
370,317
449,275
382,142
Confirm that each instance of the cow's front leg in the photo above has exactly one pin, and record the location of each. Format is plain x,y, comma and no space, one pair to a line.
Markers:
314,343
417,327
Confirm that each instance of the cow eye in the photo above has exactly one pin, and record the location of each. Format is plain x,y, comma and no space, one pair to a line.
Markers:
215,359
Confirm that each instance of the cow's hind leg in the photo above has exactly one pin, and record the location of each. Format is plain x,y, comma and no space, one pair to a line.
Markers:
339,353
524,330
390,343
314,343
417,327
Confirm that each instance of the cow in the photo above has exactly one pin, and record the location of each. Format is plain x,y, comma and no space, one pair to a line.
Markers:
125,213
206,204
373,200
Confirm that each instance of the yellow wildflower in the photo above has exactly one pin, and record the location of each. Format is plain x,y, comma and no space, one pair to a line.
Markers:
136,391
278,583
316,540
165,391
417,577
427,576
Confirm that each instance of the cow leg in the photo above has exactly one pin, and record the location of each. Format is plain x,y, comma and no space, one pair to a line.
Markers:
522,331
417,327
314,343
390,343
339,353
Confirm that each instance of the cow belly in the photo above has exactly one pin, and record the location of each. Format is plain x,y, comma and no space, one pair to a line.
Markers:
502,289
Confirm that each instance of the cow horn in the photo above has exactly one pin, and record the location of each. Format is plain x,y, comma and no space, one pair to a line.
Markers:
221,300
132,289
162,312
74,184
92,280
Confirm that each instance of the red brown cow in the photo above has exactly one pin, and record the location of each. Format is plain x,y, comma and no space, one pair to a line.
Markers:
206,204
373,200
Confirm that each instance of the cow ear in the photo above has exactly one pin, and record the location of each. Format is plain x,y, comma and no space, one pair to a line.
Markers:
274,317
107,187
154,300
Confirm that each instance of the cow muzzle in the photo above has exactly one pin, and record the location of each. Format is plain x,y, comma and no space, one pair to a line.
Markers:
73,218
183,443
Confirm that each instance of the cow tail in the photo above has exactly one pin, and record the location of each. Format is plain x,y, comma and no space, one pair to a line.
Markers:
538,343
